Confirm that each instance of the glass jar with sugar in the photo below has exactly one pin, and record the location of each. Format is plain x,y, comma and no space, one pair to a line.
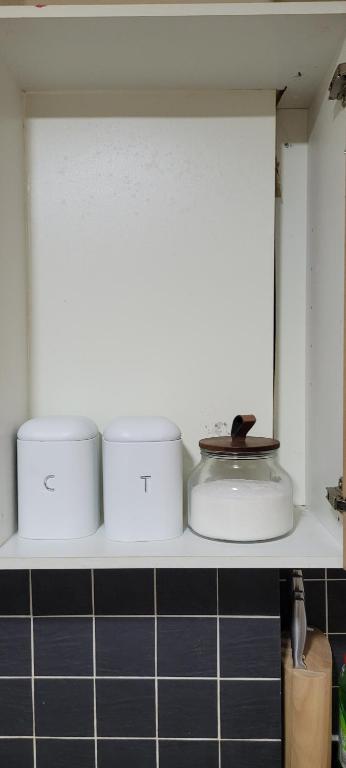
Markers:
238,491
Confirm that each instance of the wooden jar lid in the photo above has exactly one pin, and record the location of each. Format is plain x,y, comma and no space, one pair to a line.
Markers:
238,442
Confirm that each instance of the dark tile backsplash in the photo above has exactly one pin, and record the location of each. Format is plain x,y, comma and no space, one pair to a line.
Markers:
250,710
187,647
65,753
248,592
336,606
61,593
335,753
189,754
17,753
137,668
250,647
15,593
16,717
124,592
254,754
126,754
189,591
63,647
315,595
15,647
64,707
125,647
125,708
188,709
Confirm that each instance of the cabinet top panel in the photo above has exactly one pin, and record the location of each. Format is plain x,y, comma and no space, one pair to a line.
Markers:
173,46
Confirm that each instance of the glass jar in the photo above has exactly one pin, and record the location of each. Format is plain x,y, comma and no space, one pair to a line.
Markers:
238,491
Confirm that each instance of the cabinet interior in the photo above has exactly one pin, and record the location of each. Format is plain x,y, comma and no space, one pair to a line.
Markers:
146,266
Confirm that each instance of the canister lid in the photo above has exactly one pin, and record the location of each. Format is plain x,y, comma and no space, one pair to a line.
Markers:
153,429
238,443
58,428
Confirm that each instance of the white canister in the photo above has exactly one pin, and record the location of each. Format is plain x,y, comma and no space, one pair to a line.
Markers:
58,478
142,479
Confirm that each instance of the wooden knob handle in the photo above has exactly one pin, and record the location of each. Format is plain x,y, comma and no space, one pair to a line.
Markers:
242,425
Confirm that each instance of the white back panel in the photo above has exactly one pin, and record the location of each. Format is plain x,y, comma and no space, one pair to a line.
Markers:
152,228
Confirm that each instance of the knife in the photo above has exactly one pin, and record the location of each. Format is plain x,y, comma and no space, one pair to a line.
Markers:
299,626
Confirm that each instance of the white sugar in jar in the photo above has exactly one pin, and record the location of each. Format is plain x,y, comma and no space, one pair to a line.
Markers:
239,492
241,510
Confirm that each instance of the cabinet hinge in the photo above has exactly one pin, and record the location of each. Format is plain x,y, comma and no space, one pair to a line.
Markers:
335,497
337,88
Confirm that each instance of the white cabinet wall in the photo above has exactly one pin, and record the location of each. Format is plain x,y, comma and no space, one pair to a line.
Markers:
137,240
151,258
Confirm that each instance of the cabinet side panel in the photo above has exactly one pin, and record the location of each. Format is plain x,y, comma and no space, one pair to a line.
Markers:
325,306
13,314
290,246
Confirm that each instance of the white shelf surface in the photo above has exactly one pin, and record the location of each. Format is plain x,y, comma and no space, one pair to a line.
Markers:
174,46
308,546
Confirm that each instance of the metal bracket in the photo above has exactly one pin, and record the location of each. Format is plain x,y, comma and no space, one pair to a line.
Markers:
337,88
336,499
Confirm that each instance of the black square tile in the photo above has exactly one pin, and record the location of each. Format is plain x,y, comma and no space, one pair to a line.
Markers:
249,592
285,606
16,753
250,709
338,646
250,648
15,708
315,603
313,573
126,754
189,754
285,573
186,591
335,711
124,592
15,647
187,647
125,647
61,593
336,573
64,707
125,708
187,709
247,754
15,593
335,755
336,606
58,753
63,647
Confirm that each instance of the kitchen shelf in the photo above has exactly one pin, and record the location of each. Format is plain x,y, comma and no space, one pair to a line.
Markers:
112,47
309,546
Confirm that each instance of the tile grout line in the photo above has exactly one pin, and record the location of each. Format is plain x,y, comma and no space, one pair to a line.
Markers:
341,634
218,667
32,671
141,616
147,677
135,738
156,677
94,662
